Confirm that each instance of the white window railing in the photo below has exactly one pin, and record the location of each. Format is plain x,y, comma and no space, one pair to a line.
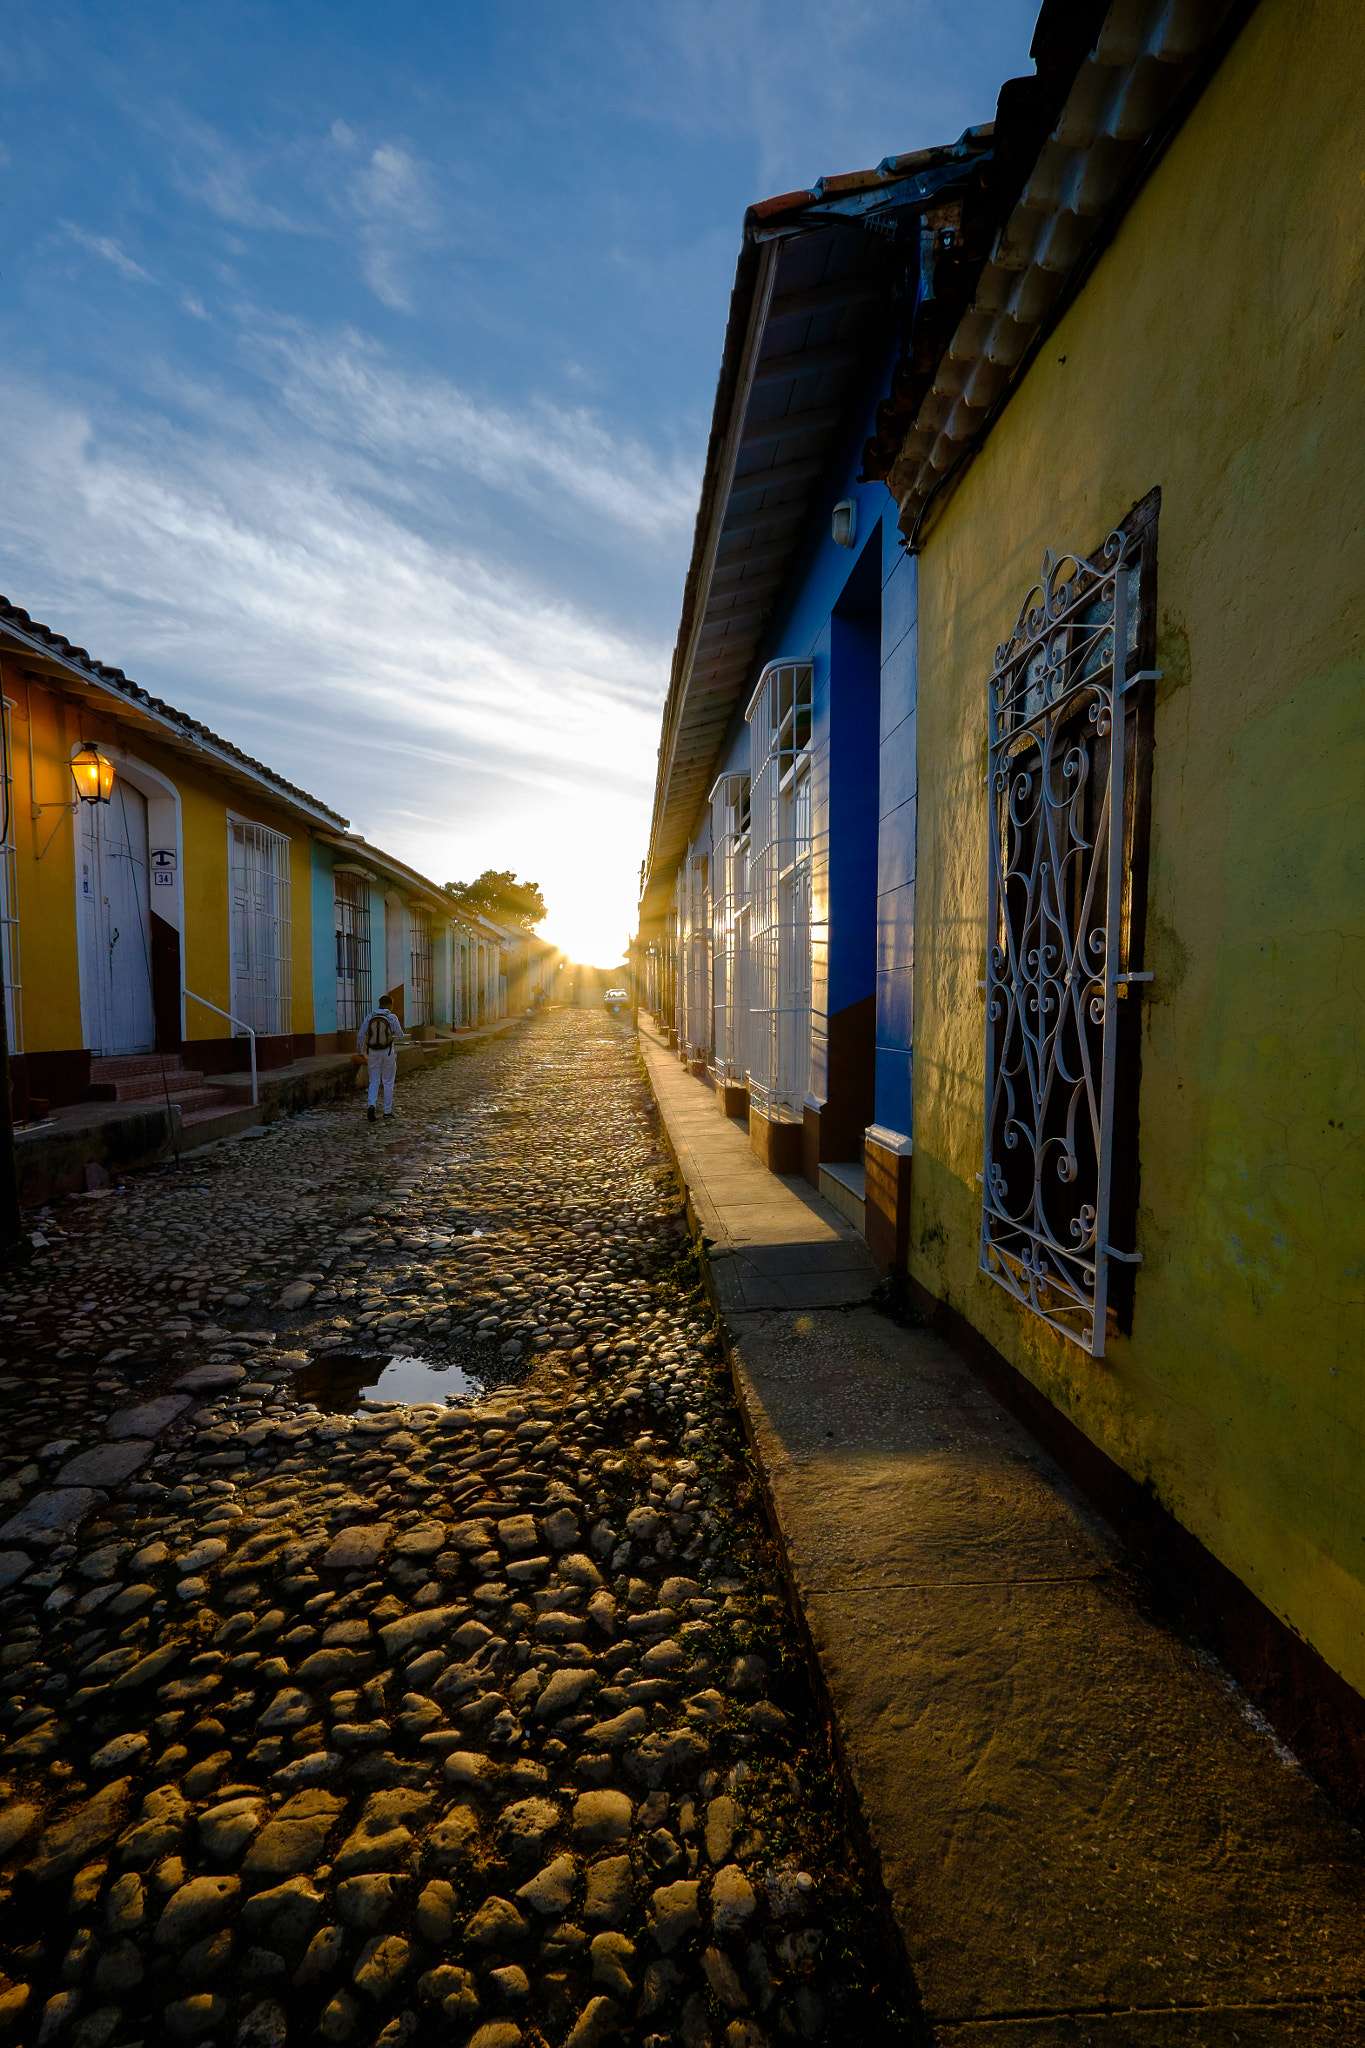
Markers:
779,888
694,957
729,925
258,866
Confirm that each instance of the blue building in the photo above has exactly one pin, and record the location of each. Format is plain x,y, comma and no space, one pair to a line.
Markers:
777,907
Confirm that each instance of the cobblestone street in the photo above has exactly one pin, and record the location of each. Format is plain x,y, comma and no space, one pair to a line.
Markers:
453,1698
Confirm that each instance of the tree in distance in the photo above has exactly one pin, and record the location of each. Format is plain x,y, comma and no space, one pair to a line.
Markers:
497,893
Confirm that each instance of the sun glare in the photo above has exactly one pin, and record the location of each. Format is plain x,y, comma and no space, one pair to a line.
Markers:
593,932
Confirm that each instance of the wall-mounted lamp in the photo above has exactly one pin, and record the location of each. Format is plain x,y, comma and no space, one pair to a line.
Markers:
844,525
93,773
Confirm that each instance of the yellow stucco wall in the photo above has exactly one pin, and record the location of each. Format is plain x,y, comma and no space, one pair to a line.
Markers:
46,887
1218,351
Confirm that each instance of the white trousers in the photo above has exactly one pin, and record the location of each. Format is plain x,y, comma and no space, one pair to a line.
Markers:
383,1066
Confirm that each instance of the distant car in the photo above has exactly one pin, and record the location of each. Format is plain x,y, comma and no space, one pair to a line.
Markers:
616,1000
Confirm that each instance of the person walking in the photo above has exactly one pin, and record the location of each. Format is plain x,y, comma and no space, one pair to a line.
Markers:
377,1039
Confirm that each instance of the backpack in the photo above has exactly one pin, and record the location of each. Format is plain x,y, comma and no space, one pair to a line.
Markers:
379,1032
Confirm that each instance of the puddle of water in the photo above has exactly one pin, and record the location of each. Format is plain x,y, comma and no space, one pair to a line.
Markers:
340,1382
407,1378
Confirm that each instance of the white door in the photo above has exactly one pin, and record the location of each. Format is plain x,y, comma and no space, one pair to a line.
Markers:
116,922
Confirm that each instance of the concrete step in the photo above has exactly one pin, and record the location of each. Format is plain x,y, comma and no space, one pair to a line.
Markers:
143,1087
205,1126
126,1066
844,1185
193,1101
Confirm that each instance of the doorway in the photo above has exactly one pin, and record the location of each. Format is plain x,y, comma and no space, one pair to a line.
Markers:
847,1089
116,922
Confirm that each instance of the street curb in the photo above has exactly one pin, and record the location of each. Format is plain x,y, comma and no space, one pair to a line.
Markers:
921,2034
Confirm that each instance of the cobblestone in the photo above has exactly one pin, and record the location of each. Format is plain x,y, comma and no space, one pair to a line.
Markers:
468,1709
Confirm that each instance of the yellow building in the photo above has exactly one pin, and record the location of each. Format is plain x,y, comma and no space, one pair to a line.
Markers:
1138,1176
206,907
163,920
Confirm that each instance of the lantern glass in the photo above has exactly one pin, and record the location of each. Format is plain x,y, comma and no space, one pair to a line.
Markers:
93,774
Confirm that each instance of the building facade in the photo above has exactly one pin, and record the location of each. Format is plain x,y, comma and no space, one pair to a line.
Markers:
1109,1098
165,919
207,901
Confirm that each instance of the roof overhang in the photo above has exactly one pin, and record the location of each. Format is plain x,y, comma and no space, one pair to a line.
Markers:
981,246
1128,96
362,858
35,651
815,284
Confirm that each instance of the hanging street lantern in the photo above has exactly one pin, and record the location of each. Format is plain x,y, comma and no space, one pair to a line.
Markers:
93,774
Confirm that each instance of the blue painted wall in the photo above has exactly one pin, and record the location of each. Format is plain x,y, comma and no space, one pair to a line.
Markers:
852,615
817,653
846,686
855,680
322,909
896,835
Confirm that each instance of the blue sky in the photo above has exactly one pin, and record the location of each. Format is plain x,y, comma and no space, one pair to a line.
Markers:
356,364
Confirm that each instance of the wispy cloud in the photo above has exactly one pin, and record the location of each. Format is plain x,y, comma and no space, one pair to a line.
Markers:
379,194
347,392
392,186
226,178
390,194
446,704
744,65
111,251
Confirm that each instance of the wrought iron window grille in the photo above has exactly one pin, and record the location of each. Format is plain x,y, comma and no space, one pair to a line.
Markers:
1060,788
351,902
420,973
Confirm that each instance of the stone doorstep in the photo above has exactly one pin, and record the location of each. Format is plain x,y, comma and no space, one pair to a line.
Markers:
845,1187
1072,1811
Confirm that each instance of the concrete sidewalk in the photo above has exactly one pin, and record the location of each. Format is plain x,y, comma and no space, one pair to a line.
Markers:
1085,1834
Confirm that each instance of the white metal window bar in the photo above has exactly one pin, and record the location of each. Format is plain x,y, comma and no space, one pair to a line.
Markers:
679,955
729,925
1056,935
693,958
351,898
668,977
779,888
261,933
459,980
9,899
419,964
